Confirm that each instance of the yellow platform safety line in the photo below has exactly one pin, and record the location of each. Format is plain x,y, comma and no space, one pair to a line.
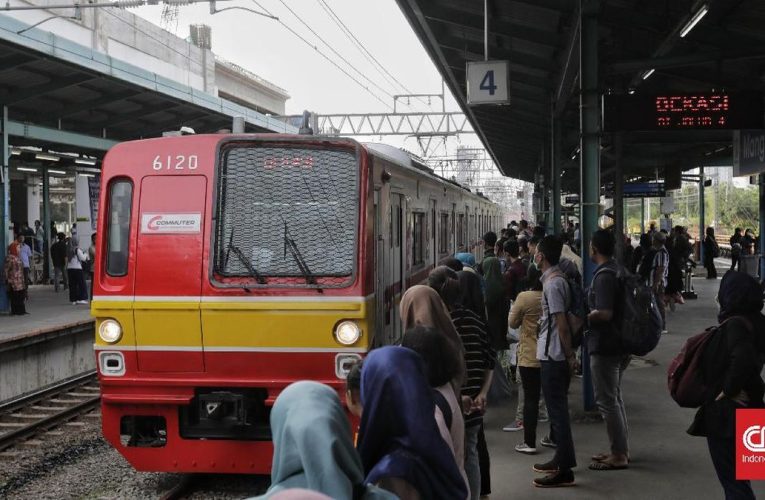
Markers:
235,324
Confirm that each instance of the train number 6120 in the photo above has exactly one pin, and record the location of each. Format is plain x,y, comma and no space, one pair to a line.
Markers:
177,162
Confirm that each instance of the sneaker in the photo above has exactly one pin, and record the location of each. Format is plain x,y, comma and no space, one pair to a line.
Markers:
514,427
664,332
547,442
546,468
525,449
74,303
555,480
85,302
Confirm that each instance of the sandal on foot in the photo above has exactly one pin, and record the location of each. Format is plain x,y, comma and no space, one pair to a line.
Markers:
600,457
606,466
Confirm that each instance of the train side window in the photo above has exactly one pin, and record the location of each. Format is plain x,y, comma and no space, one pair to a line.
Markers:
118,227
460,231
418,241
443,240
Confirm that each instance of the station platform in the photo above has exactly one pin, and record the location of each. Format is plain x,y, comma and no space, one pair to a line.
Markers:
48,312
52,343
667,463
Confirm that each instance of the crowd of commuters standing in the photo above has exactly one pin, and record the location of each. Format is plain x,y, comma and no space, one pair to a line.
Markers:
421,404
71,265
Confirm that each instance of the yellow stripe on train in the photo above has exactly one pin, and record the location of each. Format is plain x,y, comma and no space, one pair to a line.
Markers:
220,324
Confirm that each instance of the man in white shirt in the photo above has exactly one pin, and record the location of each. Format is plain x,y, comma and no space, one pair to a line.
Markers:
25,253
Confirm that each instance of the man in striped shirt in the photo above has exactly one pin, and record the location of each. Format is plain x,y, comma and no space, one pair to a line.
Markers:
479,363
657,280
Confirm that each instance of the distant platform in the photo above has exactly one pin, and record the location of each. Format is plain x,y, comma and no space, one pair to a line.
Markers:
49,313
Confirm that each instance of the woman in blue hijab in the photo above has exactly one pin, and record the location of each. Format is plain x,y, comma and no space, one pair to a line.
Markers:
313,448
399,442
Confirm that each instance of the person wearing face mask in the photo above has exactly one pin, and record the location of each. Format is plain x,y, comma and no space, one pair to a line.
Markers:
558,360
608,360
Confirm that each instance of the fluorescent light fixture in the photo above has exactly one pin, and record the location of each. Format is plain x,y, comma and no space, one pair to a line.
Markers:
648,74
15,152
84,161
59,172
26,169
40,156
87,175
631,91
698,16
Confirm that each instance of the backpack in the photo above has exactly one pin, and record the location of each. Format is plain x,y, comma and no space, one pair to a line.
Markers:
684,377
576,313
636,314
646,264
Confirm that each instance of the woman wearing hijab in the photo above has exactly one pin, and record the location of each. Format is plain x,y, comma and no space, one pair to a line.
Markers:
496,305
730,366
479,362
78,290
14,277
313,448
422,306
433,349
401,448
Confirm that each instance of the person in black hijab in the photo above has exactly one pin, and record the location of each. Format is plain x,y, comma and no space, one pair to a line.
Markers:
730,367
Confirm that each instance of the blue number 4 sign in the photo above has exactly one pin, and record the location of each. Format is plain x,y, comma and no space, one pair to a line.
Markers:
488,82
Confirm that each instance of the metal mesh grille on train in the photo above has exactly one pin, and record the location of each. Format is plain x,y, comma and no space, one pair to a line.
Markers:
281,205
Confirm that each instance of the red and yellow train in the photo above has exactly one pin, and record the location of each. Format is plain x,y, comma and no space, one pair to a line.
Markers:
230,266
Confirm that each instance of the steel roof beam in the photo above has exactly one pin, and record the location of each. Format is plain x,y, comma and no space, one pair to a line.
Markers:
46,134
476,49
78,107
114,119
669,62
16,96
501,29
14,62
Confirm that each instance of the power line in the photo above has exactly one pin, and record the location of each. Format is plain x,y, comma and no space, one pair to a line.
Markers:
330,47
322,54
368,55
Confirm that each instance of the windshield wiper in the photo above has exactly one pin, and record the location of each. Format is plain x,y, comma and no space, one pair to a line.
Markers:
299,260
243,259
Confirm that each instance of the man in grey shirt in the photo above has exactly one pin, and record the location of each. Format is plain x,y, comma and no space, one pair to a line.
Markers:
557,357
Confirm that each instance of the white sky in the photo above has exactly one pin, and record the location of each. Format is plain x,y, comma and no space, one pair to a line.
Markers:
269,50
266,48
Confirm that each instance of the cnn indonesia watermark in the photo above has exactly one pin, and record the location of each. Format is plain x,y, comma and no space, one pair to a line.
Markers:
750,444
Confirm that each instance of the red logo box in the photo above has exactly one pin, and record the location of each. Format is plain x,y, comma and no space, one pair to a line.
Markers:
750,444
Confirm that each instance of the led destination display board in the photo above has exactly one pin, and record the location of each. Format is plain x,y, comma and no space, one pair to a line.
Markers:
683,111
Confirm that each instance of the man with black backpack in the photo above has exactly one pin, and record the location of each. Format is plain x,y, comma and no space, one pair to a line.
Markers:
608,358
556,353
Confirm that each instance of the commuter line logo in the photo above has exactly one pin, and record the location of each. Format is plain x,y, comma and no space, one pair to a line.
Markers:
156,223
750,444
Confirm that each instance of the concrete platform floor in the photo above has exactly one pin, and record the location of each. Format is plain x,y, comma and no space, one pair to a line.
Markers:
47,310
666,463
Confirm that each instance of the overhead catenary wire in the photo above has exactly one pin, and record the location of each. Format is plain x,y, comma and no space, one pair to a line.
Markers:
382,70
334,51
322,54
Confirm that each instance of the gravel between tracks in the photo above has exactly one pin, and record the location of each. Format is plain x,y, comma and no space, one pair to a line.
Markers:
74,462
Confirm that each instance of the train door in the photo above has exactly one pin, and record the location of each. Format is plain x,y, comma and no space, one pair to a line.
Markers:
397,269
380,258
434,232
168,277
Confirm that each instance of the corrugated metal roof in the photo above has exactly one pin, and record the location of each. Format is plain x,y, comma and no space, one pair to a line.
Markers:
725,51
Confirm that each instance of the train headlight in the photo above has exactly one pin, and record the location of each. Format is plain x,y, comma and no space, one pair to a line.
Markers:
110,331
347,332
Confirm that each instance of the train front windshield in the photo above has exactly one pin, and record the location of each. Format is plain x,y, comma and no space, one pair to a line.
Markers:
287,216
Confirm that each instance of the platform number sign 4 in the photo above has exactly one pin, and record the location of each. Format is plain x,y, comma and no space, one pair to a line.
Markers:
488,82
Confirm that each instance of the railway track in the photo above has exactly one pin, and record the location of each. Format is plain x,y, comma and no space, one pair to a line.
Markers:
31,414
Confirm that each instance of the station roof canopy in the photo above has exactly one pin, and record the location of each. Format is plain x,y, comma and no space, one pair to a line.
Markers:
61,94
725,51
